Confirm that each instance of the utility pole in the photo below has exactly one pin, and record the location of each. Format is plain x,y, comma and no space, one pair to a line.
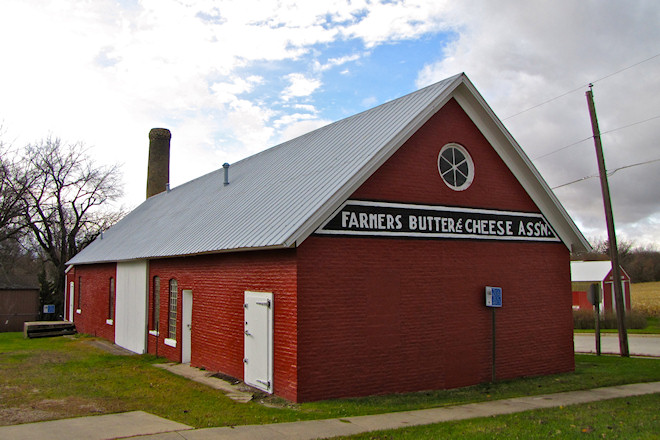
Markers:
609,218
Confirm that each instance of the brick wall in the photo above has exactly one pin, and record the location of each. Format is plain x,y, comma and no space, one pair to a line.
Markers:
359,316
91,295
218,283
395,315
381,316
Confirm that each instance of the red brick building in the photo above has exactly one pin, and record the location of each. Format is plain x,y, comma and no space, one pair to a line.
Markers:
350,261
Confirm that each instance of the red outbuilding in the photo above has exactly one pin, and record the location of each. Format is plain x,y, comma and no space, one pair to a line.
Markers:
584,273
352,260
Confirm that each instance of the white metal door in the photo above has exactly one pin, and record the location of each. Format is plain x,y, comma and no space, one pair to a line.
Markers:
131,305
258,361
186,331
71,303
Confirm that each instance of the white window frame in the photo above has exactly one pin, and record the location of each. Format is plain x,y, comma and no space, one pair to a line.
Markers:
469,178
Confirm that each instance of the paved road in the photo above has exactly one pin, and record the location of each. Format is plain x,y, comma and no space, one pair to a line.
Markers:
638,345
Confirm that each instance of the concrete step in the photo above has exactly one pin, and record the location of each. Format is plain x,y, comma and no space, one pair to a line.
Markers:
45,329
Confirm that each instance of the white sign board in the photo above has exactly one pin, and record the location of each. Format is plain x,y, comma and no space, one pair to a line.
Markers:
403,220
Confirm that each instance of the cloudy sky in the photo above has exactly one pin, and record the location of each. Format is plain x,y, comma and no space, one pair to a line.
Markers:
230,78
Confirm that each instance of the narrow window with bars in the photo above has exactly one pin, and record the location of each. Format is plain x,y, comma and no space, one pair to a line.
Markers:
111,299
171,334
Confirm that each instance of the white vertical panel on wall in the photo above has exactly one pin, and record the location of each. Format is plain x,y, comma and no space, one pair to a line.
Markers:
131,305
71,303
258,348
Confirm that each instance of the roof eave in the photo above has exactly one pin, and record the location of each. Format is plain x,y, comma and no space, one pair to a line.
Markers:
520,165
196,254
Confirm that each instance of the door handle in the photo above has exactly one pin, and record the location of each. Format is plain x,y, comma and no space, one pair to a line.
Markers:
264,382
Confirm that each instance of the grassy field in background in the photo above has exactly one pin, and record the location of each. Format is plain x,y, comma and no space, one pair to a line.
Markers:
45,379
645,298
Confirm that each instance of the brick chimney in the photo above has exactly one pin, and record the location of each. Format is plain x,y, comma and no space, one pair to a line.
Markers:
158,171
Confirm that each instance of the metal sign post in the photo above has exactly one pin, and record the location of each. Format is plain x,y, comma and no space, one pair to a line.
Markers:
494,301
593,295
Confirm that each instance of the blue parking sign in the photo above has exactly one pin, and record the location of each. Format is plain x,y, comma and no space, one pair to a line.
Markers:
493,296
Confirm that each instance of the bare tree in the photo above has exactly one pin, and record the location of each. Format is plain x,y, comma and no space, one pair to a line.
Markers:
642,263
12,184
64,194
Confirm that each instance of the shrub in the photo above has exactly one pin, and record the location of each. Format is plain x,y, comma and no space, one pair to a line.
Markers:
584,319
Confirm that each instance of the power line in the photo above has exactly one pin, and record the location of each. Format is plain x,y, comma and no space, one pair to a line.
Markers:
626,68
630,125
581,87
590,137
609,173
546,102
633,165
562,148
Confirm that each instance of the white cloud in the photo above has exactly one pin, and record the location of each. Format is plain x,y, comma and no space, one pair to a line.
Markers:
306,107
289,119
300,86
226,92
334,62
399,20
301,127
249,124
369,102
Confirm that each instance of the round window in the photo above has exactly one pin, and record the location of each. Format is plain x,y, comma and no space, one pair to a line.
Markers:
456,167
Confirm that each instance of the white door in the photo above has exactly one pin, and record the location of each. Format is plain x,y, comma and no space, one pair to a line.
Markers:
71,303
623,290
131,305
187,326
258,361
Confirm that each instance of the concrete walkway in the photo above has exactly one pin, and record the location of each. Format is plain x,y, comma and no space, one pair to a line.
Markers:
129,424
90,428
237,392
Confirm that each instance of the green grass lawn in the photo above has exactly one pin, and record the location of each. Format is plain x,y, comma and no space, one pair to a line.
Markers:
626,418
44,379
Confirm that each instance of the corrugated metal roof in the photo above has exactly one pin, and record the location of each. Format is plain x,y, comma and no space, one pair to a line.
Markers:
271,196
278,197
